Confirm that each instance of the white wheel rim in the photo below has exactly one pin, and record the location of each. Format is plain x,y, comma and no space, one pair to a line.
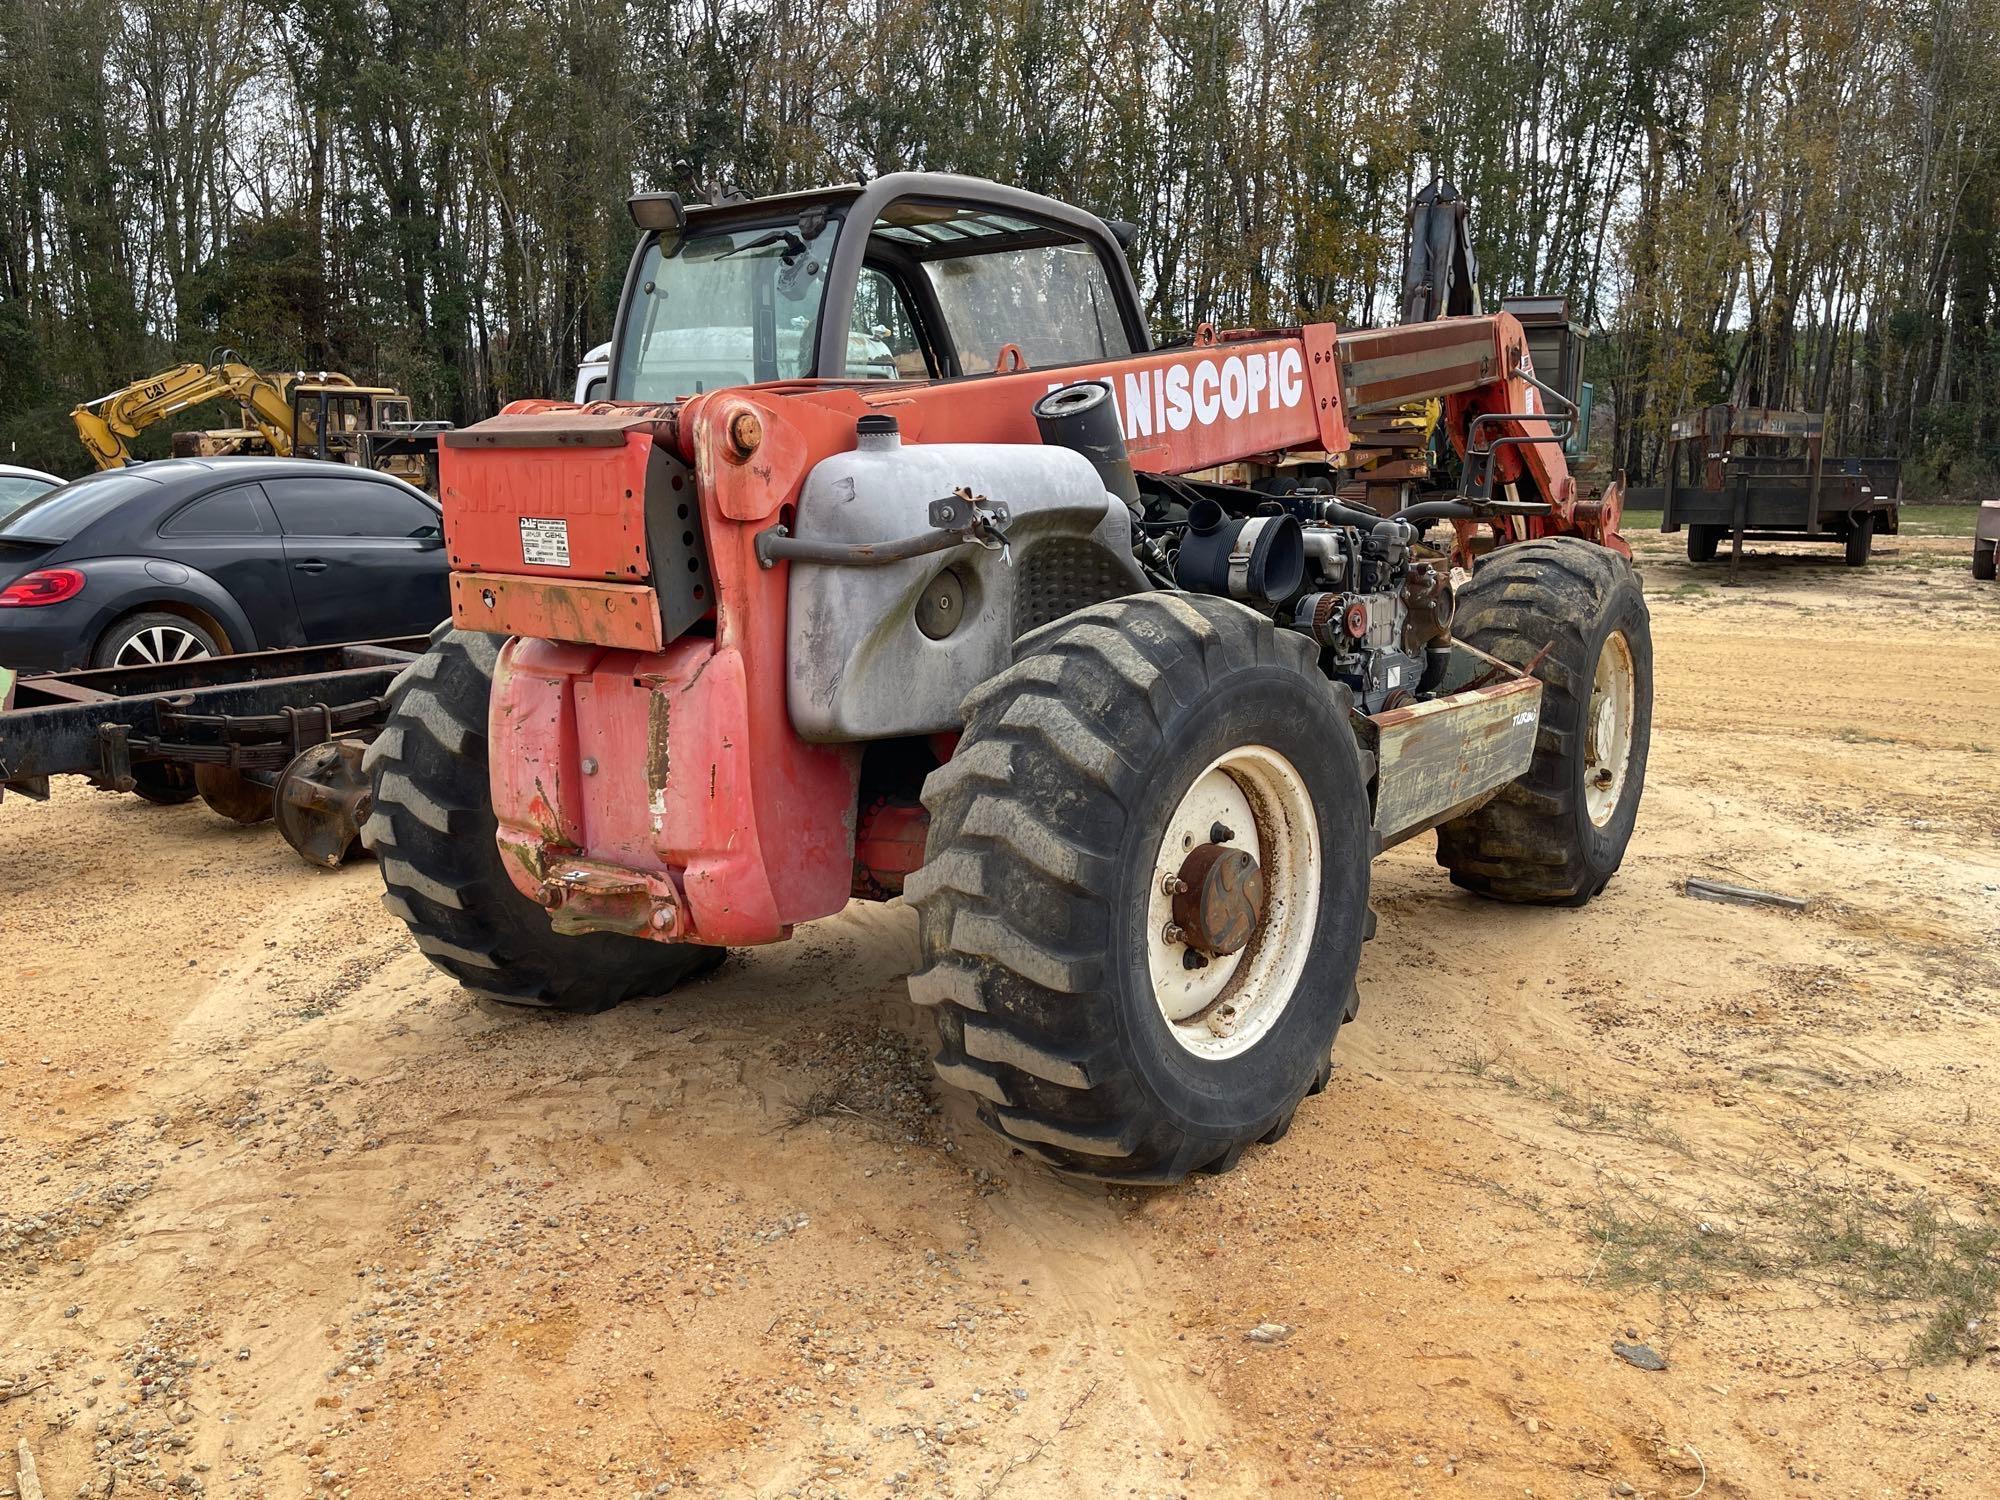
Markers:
1607,753
1227,1006
161,643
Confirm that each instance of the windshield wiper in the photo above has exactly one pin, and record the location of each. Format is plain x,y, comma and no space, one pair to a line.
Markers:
794,245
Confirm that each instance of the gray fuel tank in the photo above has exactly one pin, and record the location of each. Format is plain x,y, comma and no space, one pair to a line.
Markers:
861,665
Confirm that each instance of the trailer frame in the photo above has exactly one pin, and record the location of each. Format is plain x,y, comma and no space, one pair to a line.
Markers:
245,723
1766,497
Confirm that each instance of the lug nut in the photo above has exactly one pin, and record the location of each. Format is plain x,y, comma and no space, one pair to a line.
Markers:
1221,833
1173,885
1171,933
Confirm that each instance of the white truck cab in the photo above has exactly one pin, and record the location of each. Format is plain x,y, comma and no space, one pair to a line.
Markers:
593,376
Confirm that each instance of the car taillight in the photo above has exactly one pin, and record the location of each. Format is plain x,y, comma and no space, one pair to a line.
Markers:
44,586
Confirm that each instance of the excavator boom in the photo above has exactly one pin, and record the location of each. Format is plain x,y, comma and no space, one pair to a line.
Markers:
109,424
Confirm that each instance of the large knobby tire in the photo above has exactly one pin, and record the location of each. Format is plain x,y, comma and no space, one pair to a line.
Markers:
432,832
1860,538
1557,835
1984,560
1702,540
1039,902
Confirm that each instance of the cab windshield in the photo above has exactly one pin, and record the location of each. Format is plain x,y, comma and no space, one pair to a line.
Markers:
724,308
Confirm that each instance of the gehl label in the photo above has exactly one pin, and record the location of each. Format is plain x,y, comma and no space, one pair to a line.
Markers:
1215,388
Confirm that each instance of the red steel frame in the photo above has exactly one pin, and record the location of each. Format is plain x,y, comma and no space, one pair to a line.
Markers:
663,792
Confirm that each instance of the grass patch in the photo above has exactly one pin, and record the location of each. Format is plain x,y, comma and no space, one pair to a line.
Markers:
1691,591
1940,520
1912,1260
1587,1114
1847,734
1916,520
1527,1198
1907,1257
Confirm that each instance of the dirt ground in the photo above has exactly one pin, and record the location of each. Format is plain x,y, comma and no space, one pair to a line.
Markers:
283,1212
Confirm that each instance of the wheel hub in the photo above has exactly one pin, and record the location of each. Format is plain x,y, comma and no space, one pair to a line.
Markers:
1218,899
322,799
1233,902
1603,729
159,644
1607,750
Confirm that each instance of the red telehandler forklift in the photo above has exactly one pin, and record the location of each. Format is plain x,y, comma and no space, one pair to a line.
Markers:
901,562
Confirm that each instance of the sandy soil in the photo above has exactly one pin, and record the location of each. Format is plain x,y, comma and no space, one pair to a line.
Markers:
282,1212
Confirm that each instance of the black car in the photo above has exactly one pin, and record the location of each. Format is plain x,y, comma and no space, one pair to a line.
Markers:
199,556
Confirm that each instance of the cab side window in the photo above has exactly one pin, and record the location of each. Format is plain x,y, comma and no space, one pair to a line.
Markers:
238,511
883,342
999,280
1053,301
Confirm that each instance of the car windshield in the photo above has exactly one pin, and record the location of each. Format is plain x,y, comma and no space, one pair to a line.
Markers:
16,490
724,308
61,515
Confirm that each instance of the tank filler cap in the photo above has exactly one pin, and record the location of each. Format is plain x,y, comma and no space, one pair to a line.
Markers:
877,431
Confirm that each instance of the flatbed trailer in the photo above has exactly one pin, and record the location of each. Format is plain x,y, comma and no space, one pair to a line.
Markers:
1717,492
261,734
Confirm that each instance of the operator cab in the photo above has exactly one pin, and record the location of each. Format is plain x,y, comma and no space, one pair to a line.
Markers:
331,421
917,276
369,427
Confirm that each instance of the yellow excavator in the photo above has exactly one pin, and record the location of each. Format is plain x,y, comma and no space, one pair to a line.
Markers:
326,415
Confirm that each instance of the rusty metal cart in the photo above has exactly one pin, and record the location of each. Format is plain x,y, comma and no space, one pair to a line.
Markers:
1718,484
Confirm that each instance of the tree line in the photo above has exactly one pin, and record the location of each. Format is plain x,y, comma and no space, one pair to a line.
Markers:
1792,205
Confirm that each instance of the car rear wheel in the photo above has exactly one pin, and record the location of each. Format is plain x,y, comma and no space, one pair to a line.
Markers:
154,637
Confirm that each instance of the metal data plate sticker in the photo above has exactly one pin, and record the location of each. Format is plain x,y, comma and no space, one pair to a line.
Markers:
544,542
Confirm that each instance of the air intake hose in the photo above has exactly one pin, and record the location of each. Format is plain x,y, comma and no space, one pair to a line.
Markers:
1260,560
1083,418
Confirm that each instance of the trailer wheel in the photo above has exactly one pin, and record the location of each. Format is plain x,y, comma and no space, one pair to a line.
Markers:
1145,889
1556,835
233,795
1860,538
1983,560
432,832
1703,540
164,783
